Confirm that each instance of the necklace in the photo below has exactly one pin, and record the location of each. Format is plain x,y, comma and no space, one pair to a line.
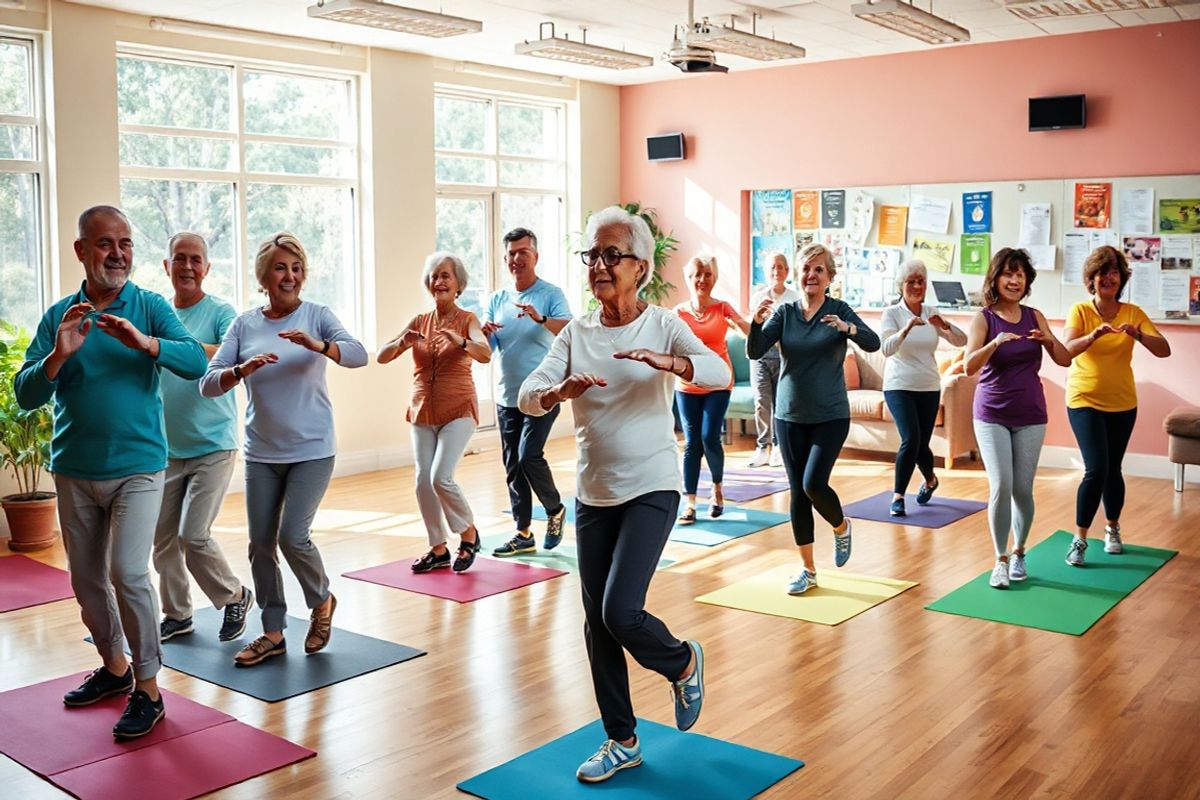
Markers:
1103,318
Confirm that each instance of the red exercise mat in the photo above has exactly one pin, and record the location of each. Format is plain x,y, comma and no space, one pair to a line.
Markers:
25,582
486,577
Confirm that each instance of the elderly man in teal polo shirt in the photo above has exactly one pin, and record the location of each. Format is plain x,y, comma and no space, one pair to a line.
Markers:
109,452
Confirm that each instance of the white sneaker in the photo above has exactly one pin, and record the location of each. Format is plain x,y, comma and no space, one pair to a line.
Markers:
1112,539
999,578
760,458
776,457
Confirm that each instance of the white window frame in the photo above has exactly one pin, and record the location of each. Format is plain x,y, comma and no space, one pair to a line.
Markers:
239,137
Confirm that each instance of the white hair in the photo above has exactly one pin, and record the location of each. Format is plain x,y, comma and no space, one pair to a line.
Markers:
641,240
709,261
908,268
435,260
177,238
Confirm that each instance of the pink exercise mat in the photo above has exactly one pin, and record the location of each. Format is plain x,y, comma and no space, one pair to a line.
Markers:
25,582
486,577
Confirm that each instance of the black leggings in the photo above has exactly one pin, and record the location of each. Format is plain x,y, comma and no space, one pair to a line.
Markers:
915,413
809,453
1103,437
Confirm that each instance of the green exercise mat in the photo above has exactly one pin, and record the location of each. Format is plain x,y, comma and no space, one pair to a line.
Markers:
1056,596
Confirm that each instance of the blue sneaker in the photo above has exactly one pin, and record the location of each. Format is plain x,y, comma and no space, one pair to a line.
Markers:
897,509
925,493
554,526
608,760
802,583
841,545
689,692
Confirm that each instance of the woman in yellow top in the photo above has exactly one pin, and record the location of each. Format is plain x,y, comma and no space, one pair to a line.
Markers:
1101,397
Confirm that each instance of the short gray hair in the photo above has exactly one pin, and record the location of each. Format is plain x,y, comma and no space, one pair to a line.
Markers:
174,240
435,259
85,218
641,240
701,261
908,268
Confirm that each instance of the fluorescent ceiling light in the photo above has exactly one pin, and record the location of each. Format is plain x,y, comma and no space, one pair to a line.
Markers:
239,35
727,39
504,73
1052,9
562,48
375,14
905,18
19,5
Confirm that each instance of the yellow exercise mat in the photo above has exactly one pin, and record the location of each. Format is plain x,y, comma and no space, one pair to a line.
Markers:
836,598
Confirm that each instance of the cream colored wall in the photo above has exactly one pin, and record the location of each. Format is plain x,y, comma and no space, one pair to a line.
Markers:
397,182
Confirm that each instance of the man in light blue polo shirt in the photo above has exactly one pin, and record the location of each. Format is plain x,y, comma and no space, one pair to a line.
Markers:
521,324
201,451
97,355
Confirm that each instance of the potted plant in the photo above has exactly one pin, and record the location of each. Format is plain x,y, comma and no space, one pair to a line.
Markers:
25,447
659,288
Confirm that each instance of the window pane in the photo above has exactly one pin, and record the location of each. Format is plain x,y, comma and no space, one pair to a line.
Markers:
293,159
541,214
16,78
462,229
531,174
316,108
185,152
173,94
158,210
322,218
20,234
460,124
450,169
528,131
16,141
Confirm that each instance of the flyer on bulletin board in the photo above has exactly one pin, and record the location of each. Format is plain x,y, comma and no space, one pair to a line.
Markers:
833,208
1093,205
893,225
1176,215
807,205
977,212
938,254
975,250
1194,296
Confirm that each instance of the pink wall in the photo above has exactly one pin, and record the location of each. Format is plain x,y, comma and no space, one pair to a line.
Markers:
940,115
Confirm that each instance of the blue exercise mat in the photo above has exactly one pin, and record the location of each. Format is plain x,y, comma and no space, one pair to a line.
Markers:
938,513
675,765
735,523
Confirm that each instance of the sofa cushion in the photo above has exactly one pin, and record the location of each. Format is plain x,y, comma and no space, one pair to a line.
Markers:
937,423
1183,421
741,403
850,370
737,356
866,403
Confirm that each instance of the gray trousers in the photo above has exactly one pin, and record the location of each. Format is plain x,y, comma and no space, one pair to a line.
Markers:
1010,456
437,450
281,501
108,527
764,376
192,495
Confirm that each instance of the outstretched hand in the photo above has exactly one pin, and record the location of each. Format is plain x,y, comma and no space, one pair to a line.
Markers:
73,329
528,310
660,361
255,363
123,331
297,336
836,322
577,384
490,327
763,311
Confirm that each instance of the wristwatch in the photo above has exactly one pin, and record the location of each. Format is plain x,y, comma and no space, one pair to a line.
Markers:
542,321
464,343
237,371
325,349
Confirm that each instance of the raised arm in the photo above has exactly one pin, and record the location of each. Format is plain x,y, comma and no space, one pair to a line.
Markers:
344,350
537,391
220,378
1145,332
34,384
766,328
736,320
949,331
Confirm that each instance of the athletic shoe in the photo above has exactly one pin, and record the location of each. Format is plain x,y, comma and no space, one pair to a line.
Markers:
760,458
1112,539
320,628
234,624
554,526
715,510
1016,567
841,546
431,561
688,517
466,554
999,578
925,493
98,686
608,760
689,692
170,628
776,458
517,545
140,716
1075,554
259,650
897,509
802,583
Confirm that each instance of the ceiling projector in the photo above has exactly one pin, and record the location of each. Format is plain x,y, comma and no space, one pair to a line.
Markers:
689,58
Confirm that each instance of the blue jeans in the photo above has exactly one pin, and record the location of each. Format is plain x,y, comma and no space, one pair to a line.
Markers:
703,416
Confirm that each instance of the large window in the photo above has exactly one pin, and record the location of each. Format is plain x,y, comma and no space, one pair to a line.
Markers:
237,152
22,184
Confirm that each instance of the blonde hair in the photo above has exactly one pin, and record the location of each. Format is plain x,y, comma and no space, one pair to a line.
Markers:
700,261
811,251
284,240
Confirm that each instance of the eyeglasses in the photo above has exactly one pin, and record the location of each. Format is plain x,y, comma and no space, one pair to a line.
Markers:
611,256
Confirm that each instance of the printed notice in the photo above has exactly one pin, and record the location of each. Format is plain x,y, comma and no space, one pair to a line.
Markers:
1135,208
893,225
1035,224
1075,252
929,214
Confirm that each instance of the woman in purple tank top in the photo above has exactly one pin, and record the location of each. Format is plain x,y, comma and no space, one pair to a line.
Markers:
1005,346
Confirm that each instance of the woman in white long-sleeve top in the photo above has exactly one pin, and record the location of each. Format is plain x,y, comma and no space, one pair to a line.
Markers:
618,364
280,351
912,386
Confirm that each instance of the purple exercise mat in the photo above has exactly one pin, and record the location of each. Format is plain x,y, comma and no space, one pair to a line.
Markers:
742,483
940,512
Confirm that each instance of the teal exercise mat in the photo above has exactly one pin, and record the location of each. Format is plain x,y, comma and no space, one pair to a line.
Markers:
1056,596
735,523
687,766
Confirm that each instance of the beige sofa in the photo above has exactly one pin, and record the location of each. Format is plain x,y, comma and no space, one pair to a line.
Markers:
872,426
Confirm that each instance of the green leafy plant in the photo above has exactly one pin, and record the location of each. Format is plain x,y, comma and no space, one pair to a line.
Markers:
659,288
24,435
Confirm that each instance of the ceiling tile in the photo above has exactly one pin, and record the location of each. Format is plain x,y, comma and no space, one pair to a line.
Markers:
1092,22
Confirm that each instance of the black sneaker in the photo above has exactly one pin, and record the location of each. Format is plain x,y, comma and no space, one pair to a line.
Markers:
140,716
554,526
235,617
99,685
431,561
517,545
170,628
466,554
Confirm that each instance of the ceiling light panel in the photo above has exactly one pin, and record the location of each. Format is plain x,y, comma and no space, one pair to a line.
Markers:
741,43
911,21
1053,9
562,48
375,14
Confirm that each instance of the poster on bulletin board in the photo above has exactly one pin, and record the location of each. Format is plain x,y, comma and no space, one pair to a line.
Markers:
1093,205
771,229
977,212
974,252
938,254
807,206
893,225
1177,215
833,208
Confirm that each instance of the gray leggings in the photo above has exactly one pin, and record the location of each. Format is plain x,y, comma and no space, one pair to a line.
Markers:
1010,456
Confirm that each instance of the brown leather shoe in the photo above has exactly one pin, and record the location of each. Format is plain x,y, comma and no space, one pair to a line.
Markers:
260,649
320,628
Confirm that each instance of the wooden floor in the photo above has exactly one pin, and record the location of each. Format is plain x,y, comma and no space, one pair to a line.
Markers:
898,702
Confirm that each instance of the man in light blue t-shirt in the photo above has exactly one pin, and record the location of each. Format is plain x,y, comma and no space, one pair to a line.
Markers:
201,450
521,324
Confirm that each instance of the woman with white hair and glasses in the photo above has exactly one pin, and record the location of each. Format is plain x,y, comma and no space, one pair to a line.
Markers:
618,365
912,386
280,351
444,409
